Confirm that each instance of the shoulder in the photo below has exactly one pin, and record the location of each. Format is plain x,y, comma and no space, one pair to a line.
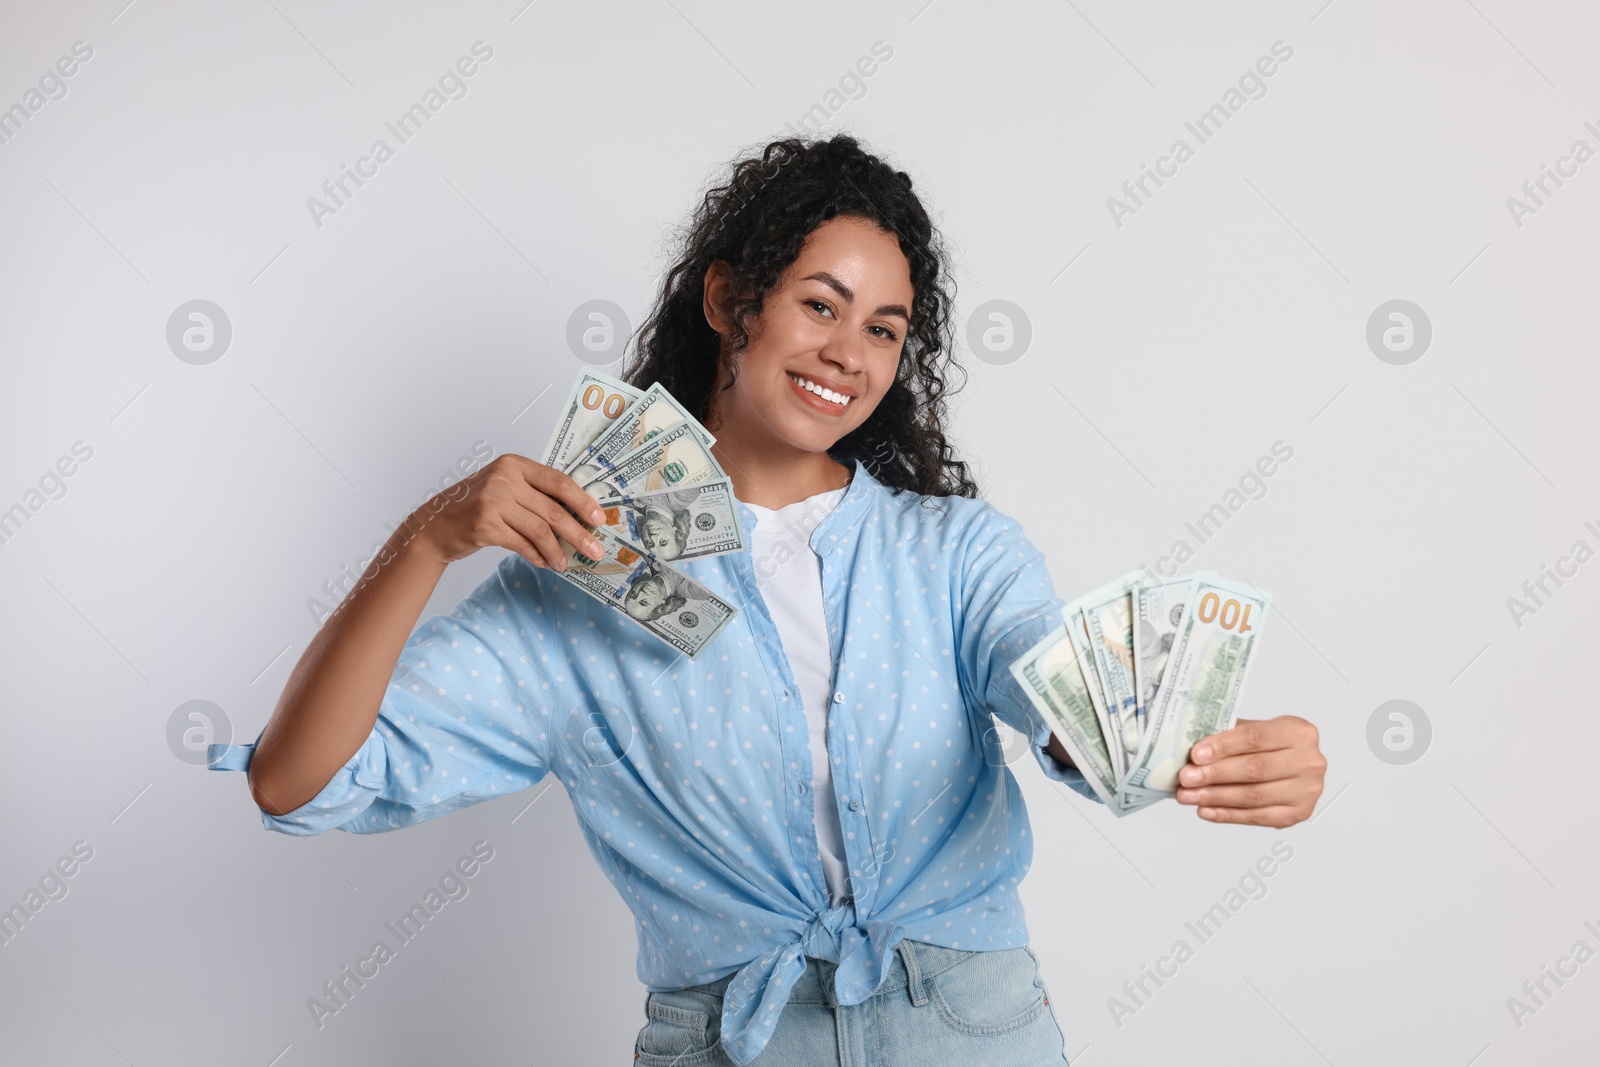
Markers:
964,524
970,540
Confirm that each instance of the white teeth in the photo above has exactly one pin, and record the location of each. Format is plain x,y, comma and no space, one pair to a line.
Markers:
826,394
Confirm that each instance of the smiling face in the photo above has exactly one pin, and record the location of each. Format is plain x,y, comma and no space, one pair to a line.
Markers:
825,348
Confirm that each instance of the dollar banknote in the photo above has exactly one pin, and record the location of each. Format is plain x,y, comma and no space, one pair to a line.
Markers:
596,402
1078,633
1050,675
1157,610
672,459
1201,684
1162,661
665,601
655,412
649,463
680,524
1108,616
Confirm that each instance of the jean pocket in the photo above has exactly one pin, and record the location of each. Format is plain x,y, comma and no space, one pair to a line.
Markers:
682,1028
990,992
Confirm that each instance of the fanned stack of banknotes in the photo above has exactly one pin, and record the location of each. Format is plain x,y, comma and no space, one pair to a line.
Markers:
1140,670
649,463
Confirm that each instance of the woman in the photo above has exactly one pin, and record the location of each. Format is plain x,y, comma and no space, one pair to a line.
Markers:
813,823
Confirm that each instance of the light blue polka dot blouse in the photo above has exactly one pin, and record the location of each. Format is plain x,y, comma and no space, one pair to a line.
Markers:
690,779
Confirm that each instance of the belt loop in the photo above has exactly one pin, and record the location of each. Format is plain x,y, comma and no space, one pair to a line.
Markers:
908,956
825,980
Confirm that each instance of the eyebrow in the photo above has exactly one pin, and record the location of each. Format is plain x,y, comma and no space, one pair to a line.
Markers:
844,290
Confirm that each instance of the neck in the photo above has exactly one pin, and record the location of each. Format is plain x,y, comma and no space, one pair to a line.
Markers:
777,478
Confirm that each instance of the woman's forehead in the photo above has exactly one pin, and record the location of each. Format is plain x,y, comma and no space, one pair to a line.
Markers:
855,254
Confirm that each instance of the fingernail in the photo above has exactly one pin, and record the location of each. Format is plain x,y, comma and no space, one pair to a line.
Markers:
1203,752
593,550
1208,813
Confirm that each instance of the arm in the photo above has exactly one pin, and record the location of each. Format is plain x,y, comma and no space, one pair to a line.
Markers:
1261,772
331,701
1007,605
328,710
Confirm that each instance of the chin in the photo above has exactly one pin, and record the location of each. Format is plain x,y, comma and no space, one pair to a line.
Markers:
822,445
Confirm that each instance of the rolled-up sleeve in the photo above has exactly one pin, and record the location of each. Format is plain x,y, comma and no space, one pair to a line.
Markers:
454,728
1007,605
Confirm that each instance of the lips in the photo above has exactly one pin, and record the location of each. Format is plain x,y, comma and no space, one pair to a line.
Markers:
812,390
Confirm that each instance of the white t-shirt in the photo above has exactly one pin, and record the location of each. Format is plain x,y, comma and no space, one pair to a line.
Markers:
789,574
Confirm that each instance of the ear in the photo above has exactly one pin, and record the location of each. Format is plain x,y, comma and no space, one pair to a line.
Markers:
714,299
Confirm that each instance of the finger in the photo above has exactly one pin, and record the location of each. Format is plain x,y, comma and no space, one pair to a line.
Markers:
1255,795
1279,816
562,524
562,487
533,528
516,541
1247,735
1246,767
561,516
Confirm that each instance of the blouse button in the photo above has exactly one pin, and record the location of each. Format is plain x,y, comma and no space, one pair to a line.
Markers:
838,698
855,805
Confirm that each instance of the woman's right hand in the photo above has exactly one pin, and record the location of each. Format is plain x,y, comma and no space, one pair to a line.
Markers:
514,503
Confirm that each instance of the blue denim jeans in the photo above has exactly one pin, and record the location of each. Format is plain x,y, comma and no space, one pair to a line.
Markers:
938,1005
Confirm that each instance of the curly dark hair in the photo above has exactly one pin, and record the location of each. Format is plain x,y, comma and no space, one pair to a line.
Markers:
757,221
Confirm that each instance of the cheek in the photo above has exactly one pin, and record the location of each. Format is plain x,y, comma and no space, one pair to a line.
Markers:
757,383
877,390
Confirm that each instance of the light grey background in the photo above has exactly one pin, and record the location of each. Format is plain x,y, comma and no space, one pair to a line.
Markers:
1168,354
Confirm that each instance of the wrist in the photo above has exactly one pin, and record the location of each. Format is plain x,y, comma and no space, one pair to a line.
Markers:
1058,752
413,540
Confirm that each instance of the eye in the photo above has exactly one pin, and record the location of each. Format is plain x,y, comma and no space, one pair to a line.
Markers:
822,305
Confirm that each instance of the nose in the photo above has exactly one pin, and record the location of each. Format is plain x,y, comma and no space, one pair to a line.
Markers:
846,350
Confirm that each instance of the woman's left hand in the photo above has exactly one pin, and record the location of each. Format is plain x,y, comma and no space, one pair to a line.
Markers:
1262,772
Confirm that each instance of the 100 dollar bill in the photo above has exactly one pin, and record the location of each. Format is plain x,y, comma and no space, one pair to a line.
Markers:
1078,633
596,402
1052,678
675,458
1157,610
1202,680
663,600
1108,617
679,524
654,412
